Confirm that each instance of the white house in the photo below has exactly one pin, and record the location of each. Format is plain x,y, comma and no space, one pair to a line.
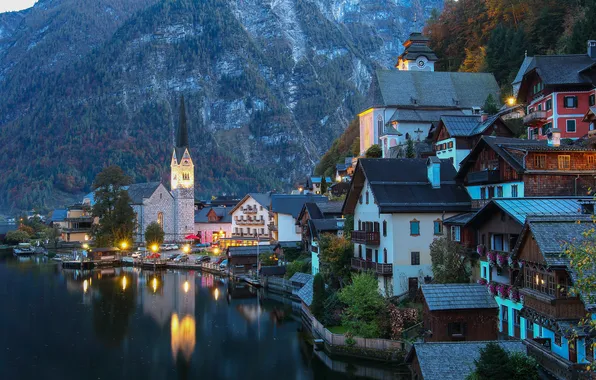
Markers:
251,219
286,209
398,207
402,104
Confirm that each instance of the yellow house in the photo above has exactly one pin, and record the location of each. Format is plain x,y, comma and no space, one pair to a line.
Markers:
78,224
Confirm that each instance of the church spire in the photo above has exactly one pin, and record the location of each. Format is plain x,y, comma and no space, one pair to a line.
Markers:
182,133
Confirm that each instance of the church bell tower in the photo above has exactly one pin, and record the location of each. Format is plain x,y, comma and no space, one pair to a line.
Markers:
417,55
183,181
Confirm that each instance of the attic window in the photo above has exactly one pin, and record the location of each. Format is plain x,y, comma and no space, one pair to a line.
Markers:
475,110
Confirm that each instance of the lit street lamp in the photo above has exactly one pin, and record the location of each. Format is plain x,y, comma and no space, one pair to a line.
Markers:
511,101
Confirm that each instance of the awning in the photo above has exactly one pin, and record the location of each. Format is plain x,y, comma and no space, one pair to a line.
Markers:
192,237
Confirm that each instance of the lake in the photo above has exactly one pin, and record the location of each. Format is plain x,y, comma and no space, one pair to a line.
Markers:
125,323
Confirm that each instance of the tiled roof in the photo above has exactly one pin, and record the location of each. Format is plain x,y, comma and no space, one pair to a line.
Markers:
250,250
401,184
419,115
454,360
292,204
460,218
222,212
522,70
520,208
318,226
449,89
273,270
59,215
301,278
329,208
467,125
264,199
561,69
305,293
457,296
139,191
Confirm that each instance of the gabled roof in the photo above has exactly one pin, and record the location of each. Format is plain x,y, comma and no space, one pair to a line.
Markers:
402,185
561,69
292,204
319,226
201,216
520,208
456,90
469,125
329,209
264,199
460,219
139,191
59,215
552,233
453,360
522,70
301,278
457,296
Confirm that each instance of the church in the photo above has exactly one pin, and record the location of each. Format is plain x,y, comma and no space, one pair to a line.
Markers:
173,209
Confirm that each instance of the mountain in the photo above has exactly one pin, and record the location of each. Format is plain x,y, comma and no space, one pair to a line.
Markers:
268,85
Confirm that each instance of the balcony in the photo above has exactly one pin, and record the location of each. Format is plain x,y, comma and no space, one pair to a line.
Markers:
249,210
536,117
485,176
364,265
556,365
80,219
272,226
250,222
366,237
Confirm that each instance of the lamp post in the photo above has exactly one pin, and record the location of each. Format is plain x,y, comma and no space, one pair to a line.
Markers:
511,101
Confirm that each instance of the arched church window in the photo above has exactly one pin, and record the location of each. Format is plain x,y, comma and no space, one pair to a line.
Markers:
407,136
160,219
185,176
380,125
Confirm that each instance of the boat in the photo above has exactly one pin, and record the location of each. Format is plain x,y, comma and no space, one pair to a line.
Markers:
23,249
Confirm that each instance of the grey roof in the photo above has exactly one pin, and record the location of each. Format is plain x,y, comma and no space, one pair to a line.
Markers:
305,293
292,204
419,115
454,360
139,191
561,69
467,125
454,90
264,199
329,208
457,296
402,185
222,212
522,70
318,226
275,270
59,215
460,218
301,278
250,250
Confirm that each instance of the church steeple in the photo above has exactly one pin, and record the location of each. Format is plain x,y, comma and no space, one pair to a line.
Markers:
417,54
182,132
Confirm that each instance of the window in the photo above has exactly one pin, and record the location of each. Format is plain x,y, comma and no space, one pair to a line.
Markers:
592,100
558,340
497,242
591,160
545,128
483,193
514,191
186,176
564,162
438,227
570,102
360,198
360,251
456,233
384,228
367,197
540,161
380,125
571,126
160,219
491,192
376,255
589,349
504,314
450,144
385,255
499,191
515,317
549,104
415,258
539,107
359,225
484,273
456,329
414,227
261,208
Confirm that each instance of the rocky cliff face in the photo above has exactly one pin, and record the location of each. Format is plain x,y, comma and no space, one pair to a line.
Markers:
268,85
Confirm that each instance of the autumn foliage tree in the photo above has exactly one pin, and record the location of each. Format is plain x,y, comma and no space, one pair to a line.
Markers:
448,261
335,253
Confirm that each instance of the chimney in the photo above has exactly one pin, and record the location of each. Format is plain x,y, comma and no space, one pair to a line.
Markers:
554,137
592,49
433,171
483,117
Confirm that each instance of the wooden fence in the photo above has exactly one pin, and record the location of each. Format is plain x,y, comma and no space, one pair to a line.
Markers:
339,340
280,285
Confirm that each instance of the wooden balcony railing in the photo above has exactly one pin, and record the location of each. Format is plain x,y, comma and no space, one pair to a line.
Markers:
366,237
484,176
535,117
378,268
248,210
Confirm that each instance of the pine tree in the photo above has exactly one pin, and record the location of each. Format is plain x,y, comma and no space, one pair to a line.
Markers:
318,296
490,106
410,151
323,185
493,363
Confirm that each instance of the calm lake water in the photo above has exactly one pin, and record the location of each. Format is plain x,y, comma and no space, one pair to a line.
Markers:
125,323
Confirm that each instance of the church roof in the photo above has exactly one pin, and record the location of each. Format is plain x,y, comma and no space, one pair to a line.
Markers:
139,191
181,133
419,89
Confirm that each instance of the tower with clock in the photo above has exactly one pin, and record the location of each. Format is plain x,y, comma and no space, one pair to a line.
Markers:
417,54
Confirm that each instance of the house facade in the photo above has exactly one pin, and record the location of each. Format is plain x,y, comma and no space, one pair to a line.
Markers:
398,207
213,224
558,90
400,107
251,220
500,167
286,209
78,224
551,315
455,136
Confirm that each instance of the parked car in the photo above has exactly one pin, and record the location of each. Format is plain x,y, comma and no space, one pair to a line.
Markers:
137,255
164,247
204,259
181,259
174,256
223,264
203,245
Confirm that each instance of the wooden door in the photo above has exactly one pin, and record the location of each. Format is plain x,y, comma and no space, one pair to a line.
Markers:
368,254
573,351
412,286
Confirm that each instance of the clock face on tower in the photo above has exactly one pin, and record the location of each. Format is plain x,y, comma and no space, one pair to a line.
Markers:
420,63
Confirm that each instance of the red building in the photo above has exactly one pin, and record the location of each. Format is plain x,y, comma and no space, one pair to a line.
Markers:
558,91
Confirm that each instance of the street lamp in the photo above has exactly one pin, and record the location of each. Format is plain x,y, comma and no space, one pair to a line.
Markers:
123,245
186,249
85,246
511,101
155,248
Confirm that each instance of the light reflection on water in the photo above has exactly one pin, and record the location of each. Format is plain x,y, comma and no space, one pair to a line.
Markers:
136,324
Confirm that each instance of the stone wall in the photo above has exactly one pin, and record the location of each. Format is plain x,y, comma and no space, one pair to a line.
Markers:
160,201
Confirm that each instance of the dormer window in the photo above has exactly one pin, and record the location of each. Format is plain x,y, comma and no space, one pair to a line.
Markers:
475,110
